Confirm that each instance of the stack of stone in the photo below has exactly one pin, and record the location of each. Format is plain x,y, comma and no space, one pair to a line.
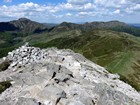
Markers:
26,55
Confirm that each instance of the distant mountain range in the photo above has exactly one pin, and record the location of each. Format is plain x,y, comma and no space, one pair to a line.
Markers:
27,26
88,26
111,25
135,25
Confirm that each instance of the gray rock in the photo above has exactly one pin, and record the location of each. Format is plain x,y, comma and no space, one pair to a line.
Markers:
6,101
61,77
52,69
52,93
14,64
87,100
27,101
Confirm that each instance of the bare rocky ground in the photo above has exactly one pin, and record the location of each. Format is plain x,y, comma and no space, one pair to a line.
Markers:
61,77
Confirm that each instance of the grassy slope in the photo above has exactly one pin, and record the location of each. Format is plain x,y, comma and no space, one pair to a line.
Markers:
118,52
9,41
45,37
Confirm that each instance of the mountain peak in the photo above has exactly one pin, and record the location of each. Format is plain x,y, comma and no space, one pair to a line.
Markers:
66,23
24,19
28,26
52,76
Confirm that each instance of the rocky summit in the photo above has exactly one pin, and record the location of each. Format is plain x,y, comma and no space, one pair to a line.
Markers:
61,77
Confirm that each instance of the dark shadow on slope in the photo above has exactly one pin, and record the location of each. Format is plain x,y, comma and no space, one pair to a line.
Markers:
5,26
4,85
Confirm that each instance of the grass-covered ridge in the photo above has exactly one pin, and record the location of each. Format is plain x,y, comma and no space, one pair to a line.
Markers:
118,52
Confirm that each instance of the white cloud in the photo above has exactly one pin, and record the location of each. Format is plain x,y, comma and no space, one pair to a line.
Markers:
25,9
86,14
110,3
106,3
73,7
129,11
123,2
82,13
89,6
7,1
82,8
78,1
117,11
66,6
68,14
137,7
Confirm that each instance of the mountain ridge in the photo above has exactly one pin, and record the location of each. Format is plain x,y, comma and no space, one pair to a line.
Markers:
27,26
23,22
53,76
88,25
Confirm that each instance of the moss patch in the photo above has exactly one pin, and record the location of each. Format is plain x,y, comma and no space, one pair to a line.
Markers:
4,65
4,85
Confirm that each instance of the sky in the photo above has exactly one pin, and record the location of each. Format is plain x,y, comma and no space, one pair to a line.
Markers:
57,11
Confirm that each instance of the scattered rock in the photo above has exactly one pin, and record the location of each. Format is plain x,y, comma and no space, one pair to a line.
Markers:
61,77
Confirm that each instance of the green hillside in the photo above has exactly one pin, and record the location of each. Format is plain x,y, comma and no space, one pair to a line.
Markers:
118,52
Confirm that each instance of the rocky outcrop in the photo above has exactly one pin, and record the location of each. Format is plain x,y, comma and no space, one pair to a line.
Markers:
61,77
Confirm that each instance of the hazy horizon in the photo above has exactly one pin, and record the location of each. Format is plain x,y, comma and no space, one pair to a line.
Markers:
71,22
75,11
